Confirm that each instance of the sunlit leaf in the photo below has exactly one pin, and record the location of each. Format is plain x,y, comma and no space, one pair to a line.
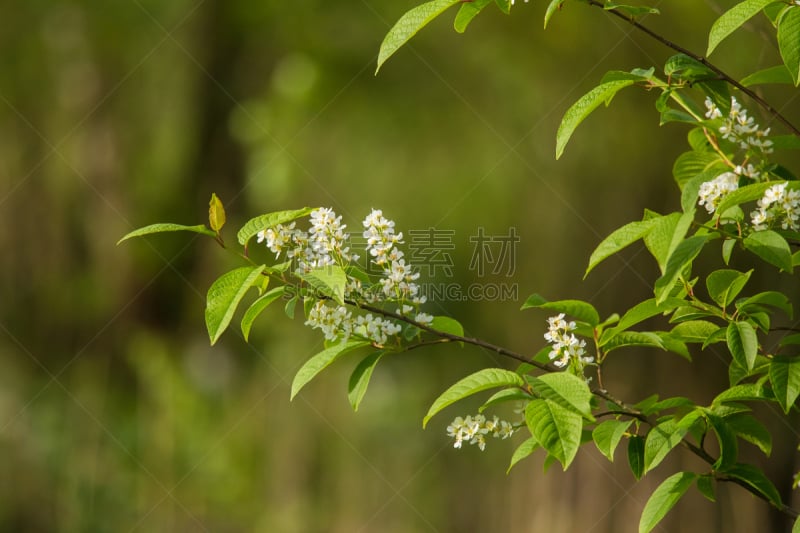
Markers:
164,228
607,435
784,375
319,362
216,213
789,41
664,499
556,428
359,379
270,220
523,450
257,307
224,296
742,343
732,19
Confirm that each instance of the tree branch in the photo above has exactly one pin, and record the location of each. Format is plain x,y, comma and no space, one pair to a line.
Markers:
722,74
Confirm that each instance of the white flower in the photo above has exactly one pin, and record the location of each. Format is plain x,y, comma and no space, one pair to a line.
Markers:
566,346
712,192
474,429
777,204
423,318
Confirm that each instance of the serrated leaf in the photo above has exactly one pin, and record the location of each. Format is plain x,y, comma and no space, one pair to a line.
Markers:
664,499
732,19
724,285
789,41
224,296
751,430
557,429
636,456
784,375
616,241
257,307
164,228
690,164
330,281
742,343
270,220
408,25
755,478
660,441
778,74
319,362
638,313
359,379
467,12
216,213
488,378
523,450
633,338
771,247
567,390
682,257
583,107
577,309
772,298
607,435
686,68
695,330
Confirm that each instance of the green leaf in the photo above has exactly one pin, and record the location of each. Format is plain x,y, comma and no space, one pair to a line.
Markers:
772,298
319,362
330,281
728,446
607,435
449,325
771,247
682,257
664,499
687,68
467,12
789,41
727,250
567,390
638,313
359,379
504,6
636,456
784,374
633,338
796,526
705,484
631,11
756,479
732,19
660,441
555,5
488,378
738,393
270,220
619,239
290,306
257,307
695,330
523,451
748,193
224,296
408,26
742,343
583,107
505,395
163,228
778,74
724,285
216,213
690,164
556,428
577,309
751,430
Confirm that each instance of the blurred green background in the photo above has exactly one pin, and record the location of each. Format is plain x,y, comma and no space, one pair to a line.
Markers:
116,415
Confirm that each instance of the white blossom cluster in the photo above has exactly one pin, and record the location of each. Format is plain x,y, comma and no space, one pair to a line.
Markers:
566,346
779,205
712,192
473,430
739,128
398,281
325,244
